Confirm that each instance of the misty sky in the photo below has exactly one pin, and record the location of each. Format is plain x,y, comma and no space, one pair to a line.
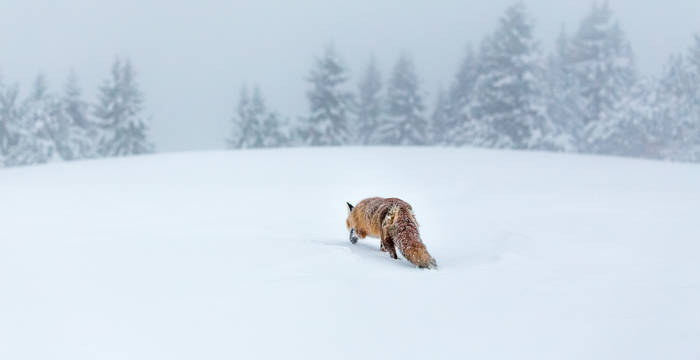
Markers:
192,57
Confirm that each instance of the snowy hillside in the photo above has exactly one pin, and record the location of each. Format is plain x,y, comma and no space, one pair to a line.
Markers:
240,255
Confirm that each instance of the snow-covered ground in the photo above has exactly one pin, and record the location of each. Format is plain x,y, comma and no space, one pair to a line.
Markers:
238,255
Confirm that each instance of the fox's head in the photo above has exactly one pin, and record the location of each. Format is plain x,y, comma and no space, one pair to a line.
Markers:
350,223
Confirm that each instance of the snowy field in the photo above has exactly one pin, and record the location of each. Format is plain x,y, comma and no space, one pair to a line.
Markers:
241,255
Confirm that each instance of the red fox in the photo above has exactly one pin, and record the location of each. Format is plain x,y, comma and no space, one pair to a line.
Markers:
392,221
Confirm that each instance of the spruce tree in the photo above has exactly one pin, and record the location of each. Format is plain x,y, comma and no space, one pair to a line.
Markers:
81,142
254,126
628,131
677,122
509,99
370,108
123,128
405,123
38,129
244,124
329,102
602,61
76,107
440,120
694,55
694,60
565,105
9,118
459,127
671,107
273,131
657,119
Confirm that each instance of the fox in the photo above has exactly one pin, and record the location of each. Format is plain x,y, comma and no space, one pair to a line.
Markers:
391,220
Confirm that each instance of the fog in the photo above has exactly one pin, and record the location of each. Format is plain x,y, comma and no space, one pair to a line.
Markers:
193,57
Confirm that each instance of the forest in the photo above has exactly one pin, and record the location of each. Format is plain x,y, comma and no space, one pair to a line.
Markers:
585,96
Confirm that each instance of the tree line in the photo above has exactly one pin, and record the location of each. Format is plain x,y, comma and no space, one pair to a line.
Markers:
46,126
586,96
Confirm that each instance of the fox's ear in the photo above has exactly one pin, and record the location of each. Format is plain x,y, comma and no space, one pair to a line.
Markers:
350,207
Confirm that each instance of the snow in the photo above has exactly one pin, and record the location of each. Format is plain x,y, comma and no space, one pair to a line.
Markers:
225,255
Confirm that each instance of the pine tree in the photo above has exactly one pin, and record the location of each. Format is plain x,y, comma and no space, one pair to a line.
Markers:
294,130
694,55
75,106
370,108
509,99
602,61
459,127
329,103
694,60
441,120
677,118
124,130
657,119
405,123
81,142
244,124
254,126
628,131
273,131
9,119
565,105
38,129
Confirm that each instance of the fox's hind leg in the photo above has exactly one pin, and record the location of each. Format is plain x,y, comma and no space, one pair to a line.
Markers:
388,242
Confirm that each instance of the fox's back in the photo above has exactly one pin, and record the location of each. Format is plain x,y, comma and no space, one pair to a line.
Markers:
369,213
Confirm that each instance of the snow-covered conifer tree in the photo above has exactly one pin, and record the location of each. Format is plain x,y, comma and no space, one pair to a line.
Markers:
405,123
509,89
329,103
677,117
694,55
39,129
629,129
124,129
459,127
9,119
440,120
602,61
694,60
245,123
81,142
370,109
565,106
254,126
273,131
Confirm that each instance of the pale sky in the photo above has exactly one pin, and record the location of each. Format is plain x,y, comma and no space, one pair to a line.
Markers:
192,57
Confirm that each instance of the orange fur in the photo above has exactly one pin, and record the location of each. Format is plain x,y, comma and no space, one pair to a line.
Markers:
392,221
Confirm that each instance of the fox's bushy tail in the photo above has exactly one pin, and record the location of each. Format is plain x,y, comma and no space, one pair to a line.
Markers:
418,255
407,239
